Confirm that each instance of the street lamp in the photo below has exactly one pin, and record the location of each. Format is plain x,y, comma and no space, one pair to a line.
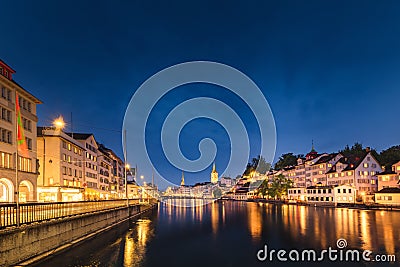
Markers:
58,125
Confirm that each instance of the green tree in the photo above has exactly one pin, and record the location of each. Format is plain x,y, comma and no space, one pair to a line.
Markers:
217,193
357,150
286,160
277,188
389,156
257,164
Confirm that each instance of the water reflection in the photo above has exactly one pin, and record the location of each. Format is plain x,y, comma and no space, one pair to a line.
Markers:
135,243
230,234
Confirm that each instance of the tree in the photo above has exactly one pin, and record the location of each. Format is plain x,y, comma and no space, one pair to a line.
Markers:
257,164
277,188
286,160
389,156
357,150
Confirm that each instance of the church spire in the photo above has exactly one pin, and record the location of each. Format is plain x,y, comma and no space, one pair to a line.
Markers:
214,174
183,179
312,146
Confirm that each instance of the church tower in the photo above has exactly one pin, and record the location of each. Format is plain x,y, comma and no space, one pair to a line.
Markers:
214,175
183,179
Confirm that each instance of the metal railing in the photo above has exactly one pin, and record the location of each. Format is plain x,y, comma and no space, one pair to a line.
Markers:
38,212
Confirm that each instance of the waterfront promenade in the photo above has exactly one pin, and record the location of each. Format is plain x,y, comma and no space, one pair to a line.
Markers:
42,229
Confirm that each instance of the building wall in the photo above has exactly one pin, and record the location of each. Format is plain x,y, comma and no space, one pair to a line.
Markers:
387,198
61,161
27,175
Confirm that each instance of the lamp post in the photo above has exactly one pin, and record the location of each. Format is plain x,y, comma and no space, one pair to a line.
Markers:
58,124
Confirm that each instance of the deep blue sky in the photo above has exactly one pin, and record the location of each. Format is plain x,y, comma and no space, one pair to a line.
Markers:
329,69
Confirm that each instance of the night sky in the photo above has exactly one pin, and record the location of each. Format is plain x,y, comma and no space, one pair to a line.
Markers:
329,69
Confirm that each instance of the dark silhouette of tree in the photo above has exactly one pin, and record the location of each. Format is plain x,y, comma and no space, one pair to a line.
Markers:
286,160
257,164
389,156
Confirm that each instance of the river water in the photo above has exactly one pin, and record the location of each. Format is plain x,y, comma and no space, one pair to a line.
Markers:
232,233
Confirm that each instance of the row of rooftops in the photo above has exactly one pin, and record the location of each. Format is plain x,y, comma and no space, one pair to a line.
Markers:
78,136
352,161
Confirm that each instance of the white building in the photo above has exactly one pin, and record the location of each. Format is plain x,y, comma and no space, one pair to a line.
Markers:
359,172
92,183
321,195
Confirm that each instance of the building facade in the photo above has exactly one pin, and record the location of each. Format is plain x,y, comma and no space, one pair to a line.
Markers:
26,181
359,172
389,178
61,166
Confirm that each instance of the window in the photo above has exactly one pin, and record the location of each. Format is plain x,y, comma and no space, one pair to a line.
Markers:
5,160
69,159
69,146
338,191
350,191
5,114
372,181
28,143
6,93
349,173
75,150
368,158
366,165
6,136
64,157
64,170
344,192
24,164
69,171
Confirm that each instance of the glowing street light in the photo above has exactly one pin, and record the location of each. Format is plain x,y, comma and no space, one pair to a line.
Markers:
59,123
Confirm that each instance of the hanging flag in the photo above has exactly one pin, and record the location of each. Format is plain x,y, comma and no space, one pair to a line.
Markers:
21,141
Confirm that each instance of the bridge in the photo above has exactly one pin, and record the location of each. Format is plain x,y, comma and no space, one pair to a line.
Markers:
31,231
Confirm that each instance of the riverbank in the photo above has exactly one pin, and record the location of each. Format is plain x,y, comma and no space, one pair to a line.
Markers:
120,224
325,205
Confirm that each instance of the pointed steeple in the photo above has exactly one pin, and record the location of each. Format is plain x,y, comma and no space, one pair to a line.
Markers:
214,168
183,179
312,146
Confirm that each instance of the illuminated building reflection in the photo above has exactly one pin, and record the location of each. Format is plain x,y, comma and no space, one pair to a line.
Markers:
135,243
254,221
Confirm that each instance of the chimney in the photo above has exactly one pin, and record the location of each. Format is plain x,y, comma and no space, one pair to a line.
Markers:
368,149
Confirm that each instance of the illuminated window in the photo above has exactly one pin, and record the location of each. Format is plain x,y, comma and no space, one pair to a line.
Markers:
372,181
349,173
366,165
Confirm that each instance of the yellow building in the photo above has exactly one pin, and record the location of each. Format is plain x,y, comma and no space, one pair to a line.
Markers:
27,168
214,175
388,196
61,161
